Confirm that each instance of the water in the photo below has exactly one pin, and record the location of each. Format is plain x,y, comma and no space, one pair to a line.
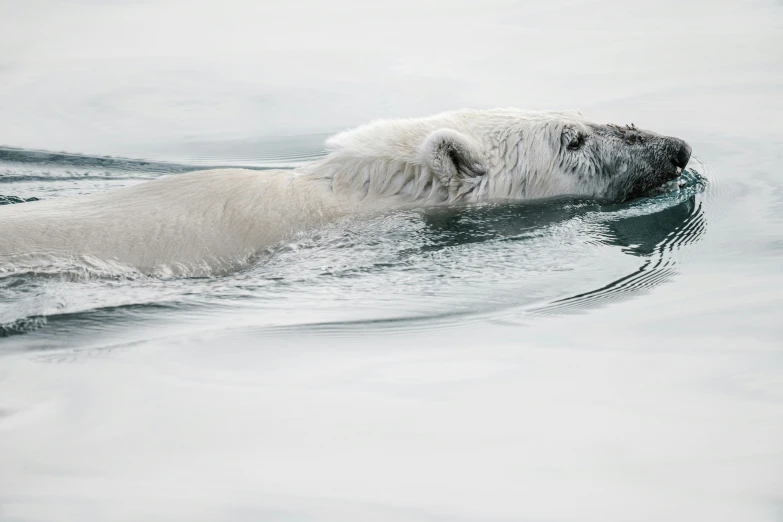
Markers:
560,360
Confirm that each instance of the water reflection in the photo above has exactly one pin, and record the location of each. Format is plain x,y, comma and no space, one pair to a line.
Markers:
453,226
652,237
644,235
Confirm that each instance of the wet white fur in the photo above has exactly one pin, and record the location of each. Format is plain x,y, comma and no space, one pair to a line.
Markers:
207,221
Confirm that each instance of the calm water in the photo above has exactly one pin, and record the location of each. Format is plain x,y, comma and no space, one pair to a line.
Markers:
562,360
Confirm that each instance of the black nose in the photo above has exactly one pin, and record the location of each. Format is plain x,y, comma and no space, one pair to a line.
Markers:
683,155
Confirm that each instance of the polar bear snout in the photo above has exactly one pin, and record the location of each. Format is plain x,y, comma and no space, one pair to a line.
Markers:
680,160
629,161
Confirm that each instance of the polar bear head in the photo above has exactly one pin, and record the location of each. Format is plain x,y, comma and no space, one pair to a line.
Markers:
502,154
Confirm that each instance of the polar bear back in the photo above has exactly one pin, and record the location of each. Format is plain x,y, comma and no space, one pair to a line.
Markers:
182,224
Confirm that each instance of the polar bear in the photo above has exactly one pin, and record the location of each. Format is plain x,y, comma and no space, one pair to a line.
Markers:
208,221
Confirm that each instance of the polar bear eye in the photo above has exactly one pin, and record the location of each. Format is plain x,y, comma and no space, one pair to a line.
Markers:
576,142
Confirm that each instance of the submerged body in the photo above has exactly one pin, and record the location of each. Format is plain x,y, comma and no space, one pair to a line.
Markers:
212,220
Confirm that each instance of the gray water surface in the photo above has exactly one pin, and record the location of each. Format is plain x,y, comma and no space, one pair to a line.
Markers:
562,360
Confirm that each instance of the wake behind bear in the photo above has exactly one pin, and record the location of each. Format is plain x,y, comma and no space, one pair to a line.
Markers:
205,221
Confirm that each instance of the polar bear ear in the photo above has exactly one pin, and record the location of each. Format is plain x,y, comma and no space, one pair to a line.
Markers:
453,157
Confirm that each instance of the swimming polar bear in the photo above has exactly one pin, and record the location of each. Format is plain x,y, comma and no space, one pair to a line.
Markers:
206,221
